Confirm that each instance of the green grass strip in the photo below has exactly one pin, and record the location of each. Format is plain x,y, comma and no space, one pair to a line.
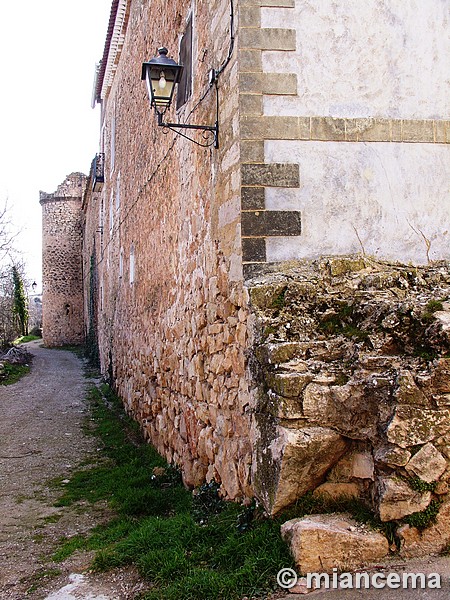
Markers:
187,548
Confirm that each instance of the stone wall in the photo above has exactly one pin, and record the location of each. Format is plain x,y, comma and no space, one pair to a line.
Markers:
62,296
305,384
162,242
352,356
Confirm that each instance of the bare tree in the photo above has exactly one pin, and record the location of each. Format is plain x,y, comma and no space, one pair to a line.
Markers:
9,259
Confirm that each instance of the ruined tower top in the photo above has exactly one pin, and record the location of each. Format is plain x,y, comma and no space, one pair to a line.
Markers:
62,300
72,187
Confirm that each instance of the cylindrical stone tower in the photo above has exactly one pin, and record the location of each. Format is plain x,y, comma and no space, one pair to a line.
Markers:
62,294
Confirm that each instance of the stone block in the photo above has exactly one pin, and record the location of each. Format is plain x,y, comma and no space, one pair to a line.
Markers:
250,104
268,83
321,543
273,175
407,391
281,407
250,61
428,463
252,198
275,128
396,130
280,352
354,465
417,131
441,377
289,385
327,129
411,425
378,130
300,459
250,16
344,408
267,39
439,132
252,151
393,456
397,500
254,249
271,223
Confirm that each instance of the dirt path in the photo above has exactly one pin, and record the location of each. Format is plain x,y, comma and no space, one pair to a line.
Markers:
41,437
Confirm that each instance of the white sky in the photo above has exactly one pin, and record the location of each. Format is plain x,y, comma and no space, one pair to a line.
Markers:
48,129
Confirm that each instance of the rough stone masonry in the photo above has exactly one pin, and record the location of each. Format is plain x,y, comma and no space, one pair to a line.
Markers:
352,358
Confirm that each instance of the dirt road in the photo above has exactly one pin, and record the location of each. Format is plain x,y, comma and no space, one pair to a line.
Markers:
41,438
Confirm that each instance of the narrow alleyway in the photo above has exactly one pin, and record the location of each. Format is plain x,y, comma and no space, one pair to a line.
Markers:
41,438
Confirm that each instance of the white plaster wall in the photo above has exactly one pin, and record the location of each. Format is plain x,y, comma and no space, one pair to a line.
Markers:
381,198
364,58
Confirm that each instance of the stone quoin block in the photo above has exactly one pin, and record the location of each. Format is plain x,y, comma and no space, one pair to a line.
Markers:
271,223
272,175
268,83
268,39
252,198
254,249
275,128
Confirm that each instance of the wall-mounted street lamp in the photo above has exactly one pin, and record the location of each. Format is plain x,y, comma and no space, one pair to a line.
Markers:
161,75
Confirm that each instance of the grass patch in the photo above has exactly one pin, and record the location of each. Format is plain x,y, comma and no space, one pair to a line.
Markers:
26,338
12,373
426,517
342,323
419,485
191,547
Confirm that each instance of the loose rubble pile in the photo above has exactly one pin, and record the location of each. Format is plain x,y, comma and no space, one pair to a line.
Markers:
15,356
353,360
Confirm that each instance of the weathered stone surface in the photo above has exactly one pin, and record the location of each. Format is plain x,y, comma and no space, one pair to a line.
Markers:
289,385
442,488
441,377
344,408
431,540
283,408
428,463
303,457
355,465
392,456
285,351
277,175
271,223
411,425
396,499
320,543
254,249
338,490
407,391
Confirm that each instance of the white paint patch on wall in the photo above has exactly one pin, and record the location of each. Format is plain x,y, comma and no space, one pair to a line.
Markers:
364,58
381,198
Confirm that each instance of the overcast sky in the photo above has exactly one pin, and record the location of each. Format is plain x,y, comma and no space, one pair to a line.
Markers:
47,126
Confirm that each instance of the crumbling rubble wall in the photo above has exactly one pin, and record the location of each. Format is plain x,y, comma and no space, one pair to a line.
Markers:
352,358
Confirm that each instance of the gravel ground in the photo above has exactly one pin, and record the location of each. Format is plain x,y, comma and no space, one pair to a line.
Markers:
41,437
